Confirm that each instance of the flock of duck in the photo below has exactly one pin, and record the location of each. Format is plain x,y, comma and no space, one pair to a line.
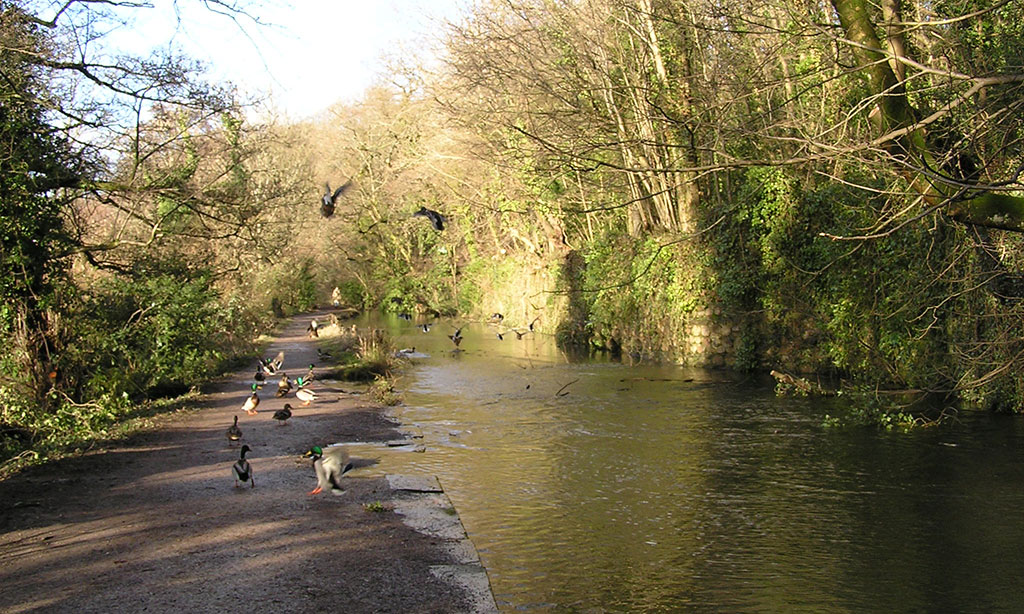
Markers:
456,337
329,464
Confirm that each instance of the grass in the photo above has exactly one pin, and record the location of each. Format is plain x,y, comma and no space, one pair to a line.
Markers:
376,507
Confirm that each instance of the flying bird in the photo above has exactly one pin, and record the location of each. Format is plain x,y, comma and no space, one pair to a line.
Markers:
270,367
330,465
328,199
242,470
278,361
457,337
436,219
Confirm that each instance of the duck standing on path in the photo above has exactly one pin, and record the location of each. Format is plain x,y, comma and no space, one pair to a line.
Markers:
305,395
234,433
310,376
251,402
283,414
313,329
284,386
259,378
330,465
242,470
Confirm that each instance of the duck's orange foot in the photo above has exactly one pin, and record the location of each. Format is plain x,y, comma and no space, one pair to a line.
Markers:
316,491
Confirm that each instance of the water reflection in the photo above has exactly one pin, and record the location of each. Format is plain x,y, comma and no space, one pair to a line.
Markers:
593,486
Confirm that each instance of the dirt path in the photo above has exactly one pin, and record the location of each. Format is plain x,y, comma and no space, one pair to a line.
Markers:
155,523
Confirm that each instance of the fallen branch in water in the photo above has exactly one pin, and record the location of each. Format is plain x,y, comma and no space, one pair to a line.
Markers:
562,394
787,384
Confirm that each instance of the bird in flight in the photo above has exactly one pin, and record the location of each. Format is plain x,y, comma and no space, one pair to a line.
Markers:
436,219
328,199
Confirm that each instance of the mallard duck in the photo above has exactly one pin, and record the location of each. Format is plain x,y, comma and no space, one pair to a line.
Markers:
283,414
234,433
284,386
324,355
251,402
457,337
436,219
327,201
425,328
242,470
278,361
330,465
534,322
310,376
305,395
313,328
259,378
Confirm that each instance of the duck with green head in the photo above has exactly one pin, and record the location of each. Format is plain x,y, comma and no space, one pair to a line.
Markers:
251,402
330,465
305,395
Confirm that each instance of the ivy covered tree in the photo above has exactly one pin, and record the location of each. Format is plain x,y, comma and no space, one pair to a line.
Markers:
37,171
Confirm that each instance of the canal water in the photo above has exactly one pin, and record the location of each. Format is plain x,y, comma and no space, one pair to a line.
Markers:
593,486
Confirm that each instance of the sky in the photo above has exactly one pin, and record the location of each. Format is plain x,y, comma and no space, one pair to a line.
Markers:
309,55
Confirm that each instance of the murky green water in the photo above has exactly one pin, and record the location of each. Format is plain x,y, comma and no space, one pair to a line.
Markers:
594,486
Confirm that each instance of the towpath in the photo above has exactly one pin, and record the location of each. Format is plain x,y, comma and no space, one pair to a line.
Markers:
155,523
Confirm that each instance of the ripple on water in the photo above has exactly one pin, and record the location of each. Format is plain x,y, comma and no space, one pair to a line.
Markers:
659,489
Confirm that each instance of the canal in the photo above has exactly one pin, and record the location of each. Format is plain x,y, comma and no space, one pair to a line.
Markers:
593,486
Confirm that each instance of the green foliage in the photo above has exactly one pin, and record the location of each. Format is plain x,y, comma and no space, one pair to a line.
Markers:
375,507
154,333
352,294
868,411
635,295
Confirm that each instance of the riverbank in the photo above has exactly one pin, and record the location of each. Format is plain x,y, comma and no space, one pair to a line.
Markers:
155,522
